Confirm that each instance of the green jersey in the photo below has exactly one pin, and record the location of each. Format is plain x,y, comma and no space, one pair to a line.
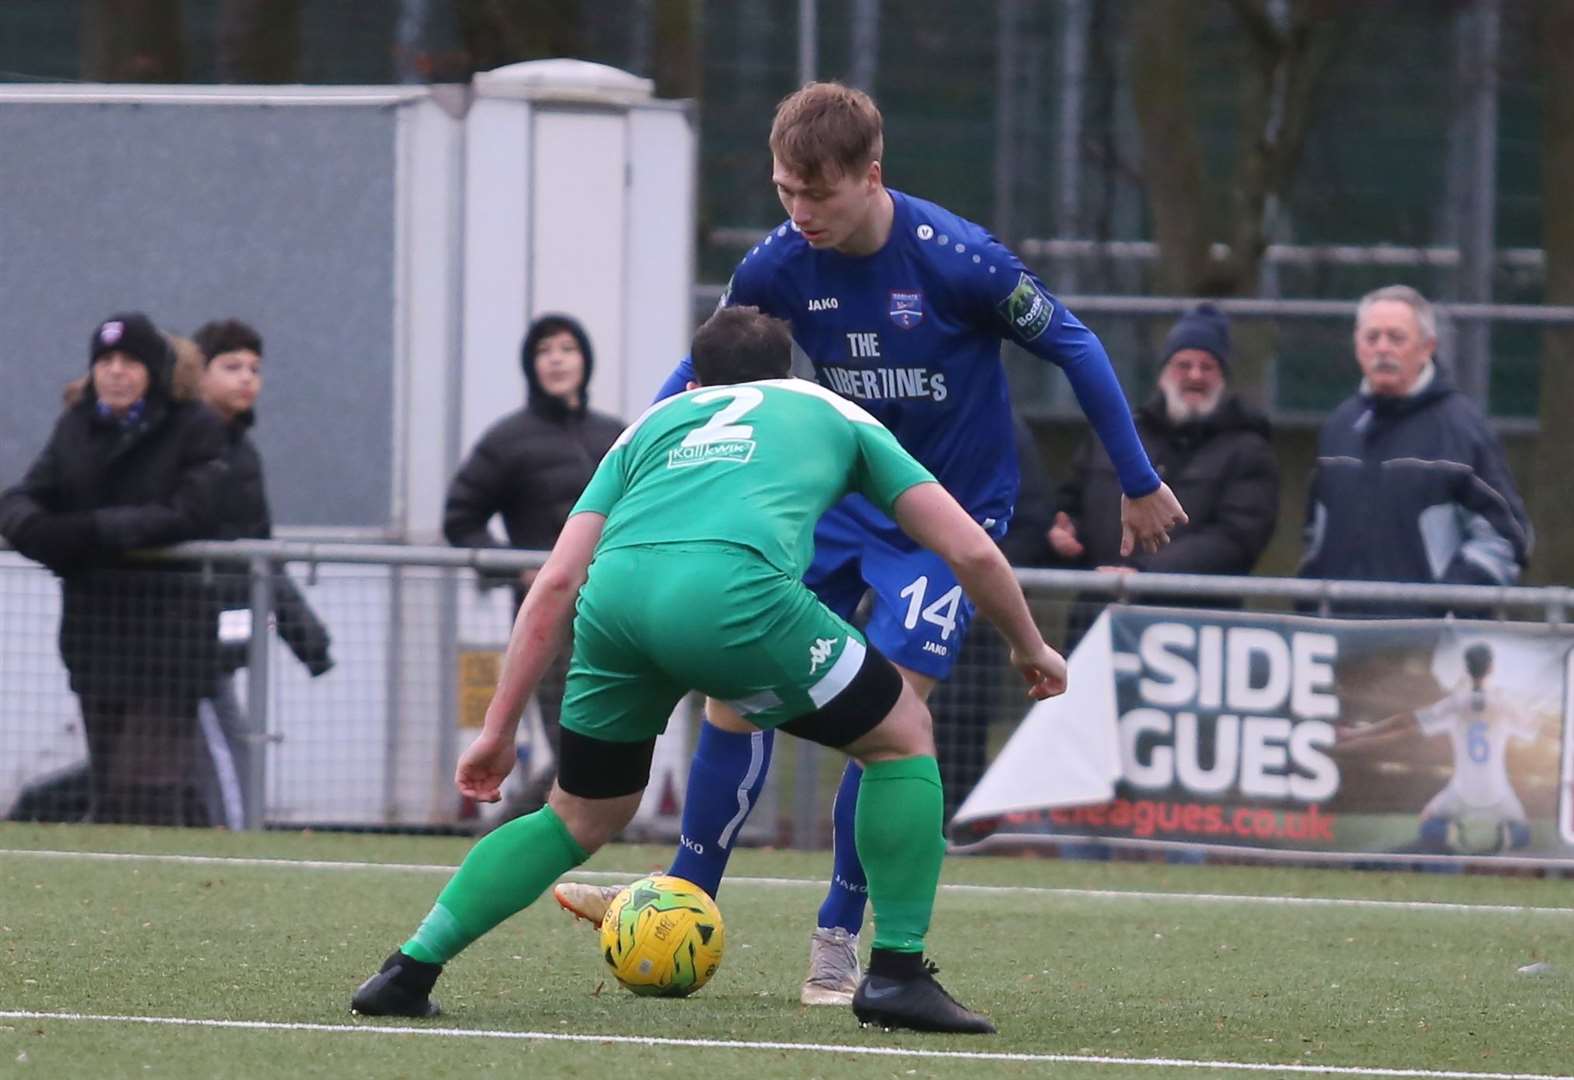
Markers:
753,464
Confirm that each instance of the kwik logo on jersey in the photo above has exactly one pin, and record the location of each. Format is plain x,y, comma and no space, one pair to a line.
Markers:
1027,309
738,450
720,437
907,309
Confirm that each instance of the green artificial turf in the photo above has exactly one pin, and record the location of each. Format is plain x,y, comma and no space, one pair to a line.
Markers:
1190,974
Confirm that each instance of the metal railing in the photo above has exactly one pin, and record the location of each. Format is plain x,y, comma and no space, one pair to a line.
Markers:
374,743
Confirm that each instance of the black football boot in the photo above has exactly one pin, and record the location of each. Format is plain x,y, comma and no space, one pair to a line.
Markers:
401,987
906,995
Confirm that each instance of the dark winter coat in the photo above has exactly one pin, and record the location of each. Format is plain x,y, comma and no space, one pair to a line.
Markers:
1224,474
99,490
243,514
530,467
1026,542
1221,469
1414,489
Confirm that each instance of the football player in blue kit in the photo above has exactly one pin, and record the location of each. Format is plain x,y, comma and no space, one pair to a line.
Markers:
901,306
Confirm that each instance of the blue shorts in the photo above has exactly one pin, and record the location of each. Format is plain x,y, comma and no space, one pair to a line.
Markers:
919,614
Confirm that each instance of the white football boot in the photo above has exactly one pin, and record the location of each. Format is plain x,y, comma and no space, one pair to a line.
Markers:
833,968
588,902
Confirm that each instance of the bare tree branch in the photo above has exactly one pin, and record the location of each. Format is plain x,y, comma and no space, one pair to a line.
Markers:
1253,14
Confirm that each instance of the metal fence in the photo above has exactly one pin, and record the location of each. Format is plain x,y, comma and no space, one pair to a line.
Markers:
196,720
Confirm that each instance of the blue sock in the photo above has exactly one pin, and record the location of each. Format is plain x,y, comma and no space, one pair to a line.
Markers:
844,904
1434,833
724,784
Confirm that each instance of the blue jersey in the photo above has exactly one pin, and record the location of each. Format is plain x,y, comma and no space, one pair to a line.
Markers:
913,333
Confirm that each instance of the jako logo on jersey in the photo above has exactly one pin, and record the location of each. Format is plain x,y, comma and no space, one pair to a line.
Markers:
907,309
826,304
1027,309
879,384
820,652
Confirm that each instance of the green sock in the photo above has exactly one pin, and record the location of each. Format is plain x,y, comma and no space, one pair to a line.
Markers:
504,873
897,828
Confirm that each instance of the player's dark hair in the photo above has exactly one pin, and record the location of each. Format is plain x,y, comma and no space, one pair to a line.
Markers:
826,131
1478,660
741,344
226,335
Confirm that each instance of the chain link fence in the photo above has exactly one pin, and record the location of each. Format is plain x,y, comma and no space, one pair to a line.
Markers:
196,720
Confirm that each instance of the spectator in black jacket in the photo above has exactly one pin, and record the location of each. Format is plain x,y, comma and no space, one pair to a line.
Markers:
231,381
530,468
1209,446
1410,482
128,467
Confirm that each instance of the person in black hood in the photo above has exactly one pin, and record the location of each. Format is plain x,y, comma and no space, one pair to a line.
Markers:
230,384
129,467
1208,445
530,468
1410,483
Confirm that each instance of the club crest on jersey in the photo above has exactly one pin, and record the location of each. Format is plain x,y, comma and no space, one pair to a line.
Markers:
907,309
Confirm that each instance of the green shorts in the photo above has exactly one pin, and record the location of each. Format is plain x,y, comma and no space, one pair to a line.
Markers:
657,621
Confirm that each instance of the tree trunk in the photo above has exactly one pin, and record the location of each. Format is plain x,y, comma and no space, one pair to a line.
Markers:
135,41
1279,79
259,41
498,32
1161,66
1551,509
675,60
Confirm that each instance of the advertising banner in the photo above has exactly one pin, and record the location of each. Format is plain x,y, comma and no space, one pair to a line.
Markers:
1331,737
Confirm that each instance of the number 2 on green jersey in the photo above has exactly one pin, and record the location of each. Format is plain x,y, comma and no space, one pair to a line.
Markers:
721,425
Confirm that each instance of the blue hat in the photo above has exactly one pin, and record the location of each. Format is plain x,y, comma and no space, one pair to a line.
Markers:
1204,327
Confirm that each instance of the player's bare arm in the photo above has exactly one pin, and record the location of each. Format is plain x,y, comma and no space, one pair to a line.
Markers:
1362,736
1146,521
928,514
538,636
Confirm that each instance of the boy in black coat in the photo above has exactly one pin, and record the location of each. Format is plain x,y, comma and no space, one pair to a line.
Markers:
231,380
529,468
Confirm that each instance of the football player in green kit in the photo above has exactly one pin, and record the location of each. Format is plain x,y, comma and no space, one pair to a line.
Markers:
686,555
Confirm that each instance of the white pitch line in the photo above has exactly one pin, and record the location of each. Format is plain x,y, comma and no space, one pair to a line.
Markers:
820,883
816,1048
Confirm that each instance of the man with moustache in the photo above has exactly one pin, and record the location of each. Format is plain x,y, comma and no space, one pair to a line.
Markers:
1410,483
1208,445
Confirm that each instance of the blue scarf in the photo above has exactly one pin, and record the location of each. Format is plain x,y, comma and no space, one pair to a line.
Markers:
127,419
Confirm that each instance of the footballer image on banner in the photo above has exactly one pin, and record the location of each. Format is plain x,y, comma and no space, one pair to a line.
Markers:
1336,738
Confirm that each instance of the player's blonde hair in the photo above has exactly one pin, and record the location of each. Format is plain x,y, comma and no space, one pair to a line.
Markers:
826,130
